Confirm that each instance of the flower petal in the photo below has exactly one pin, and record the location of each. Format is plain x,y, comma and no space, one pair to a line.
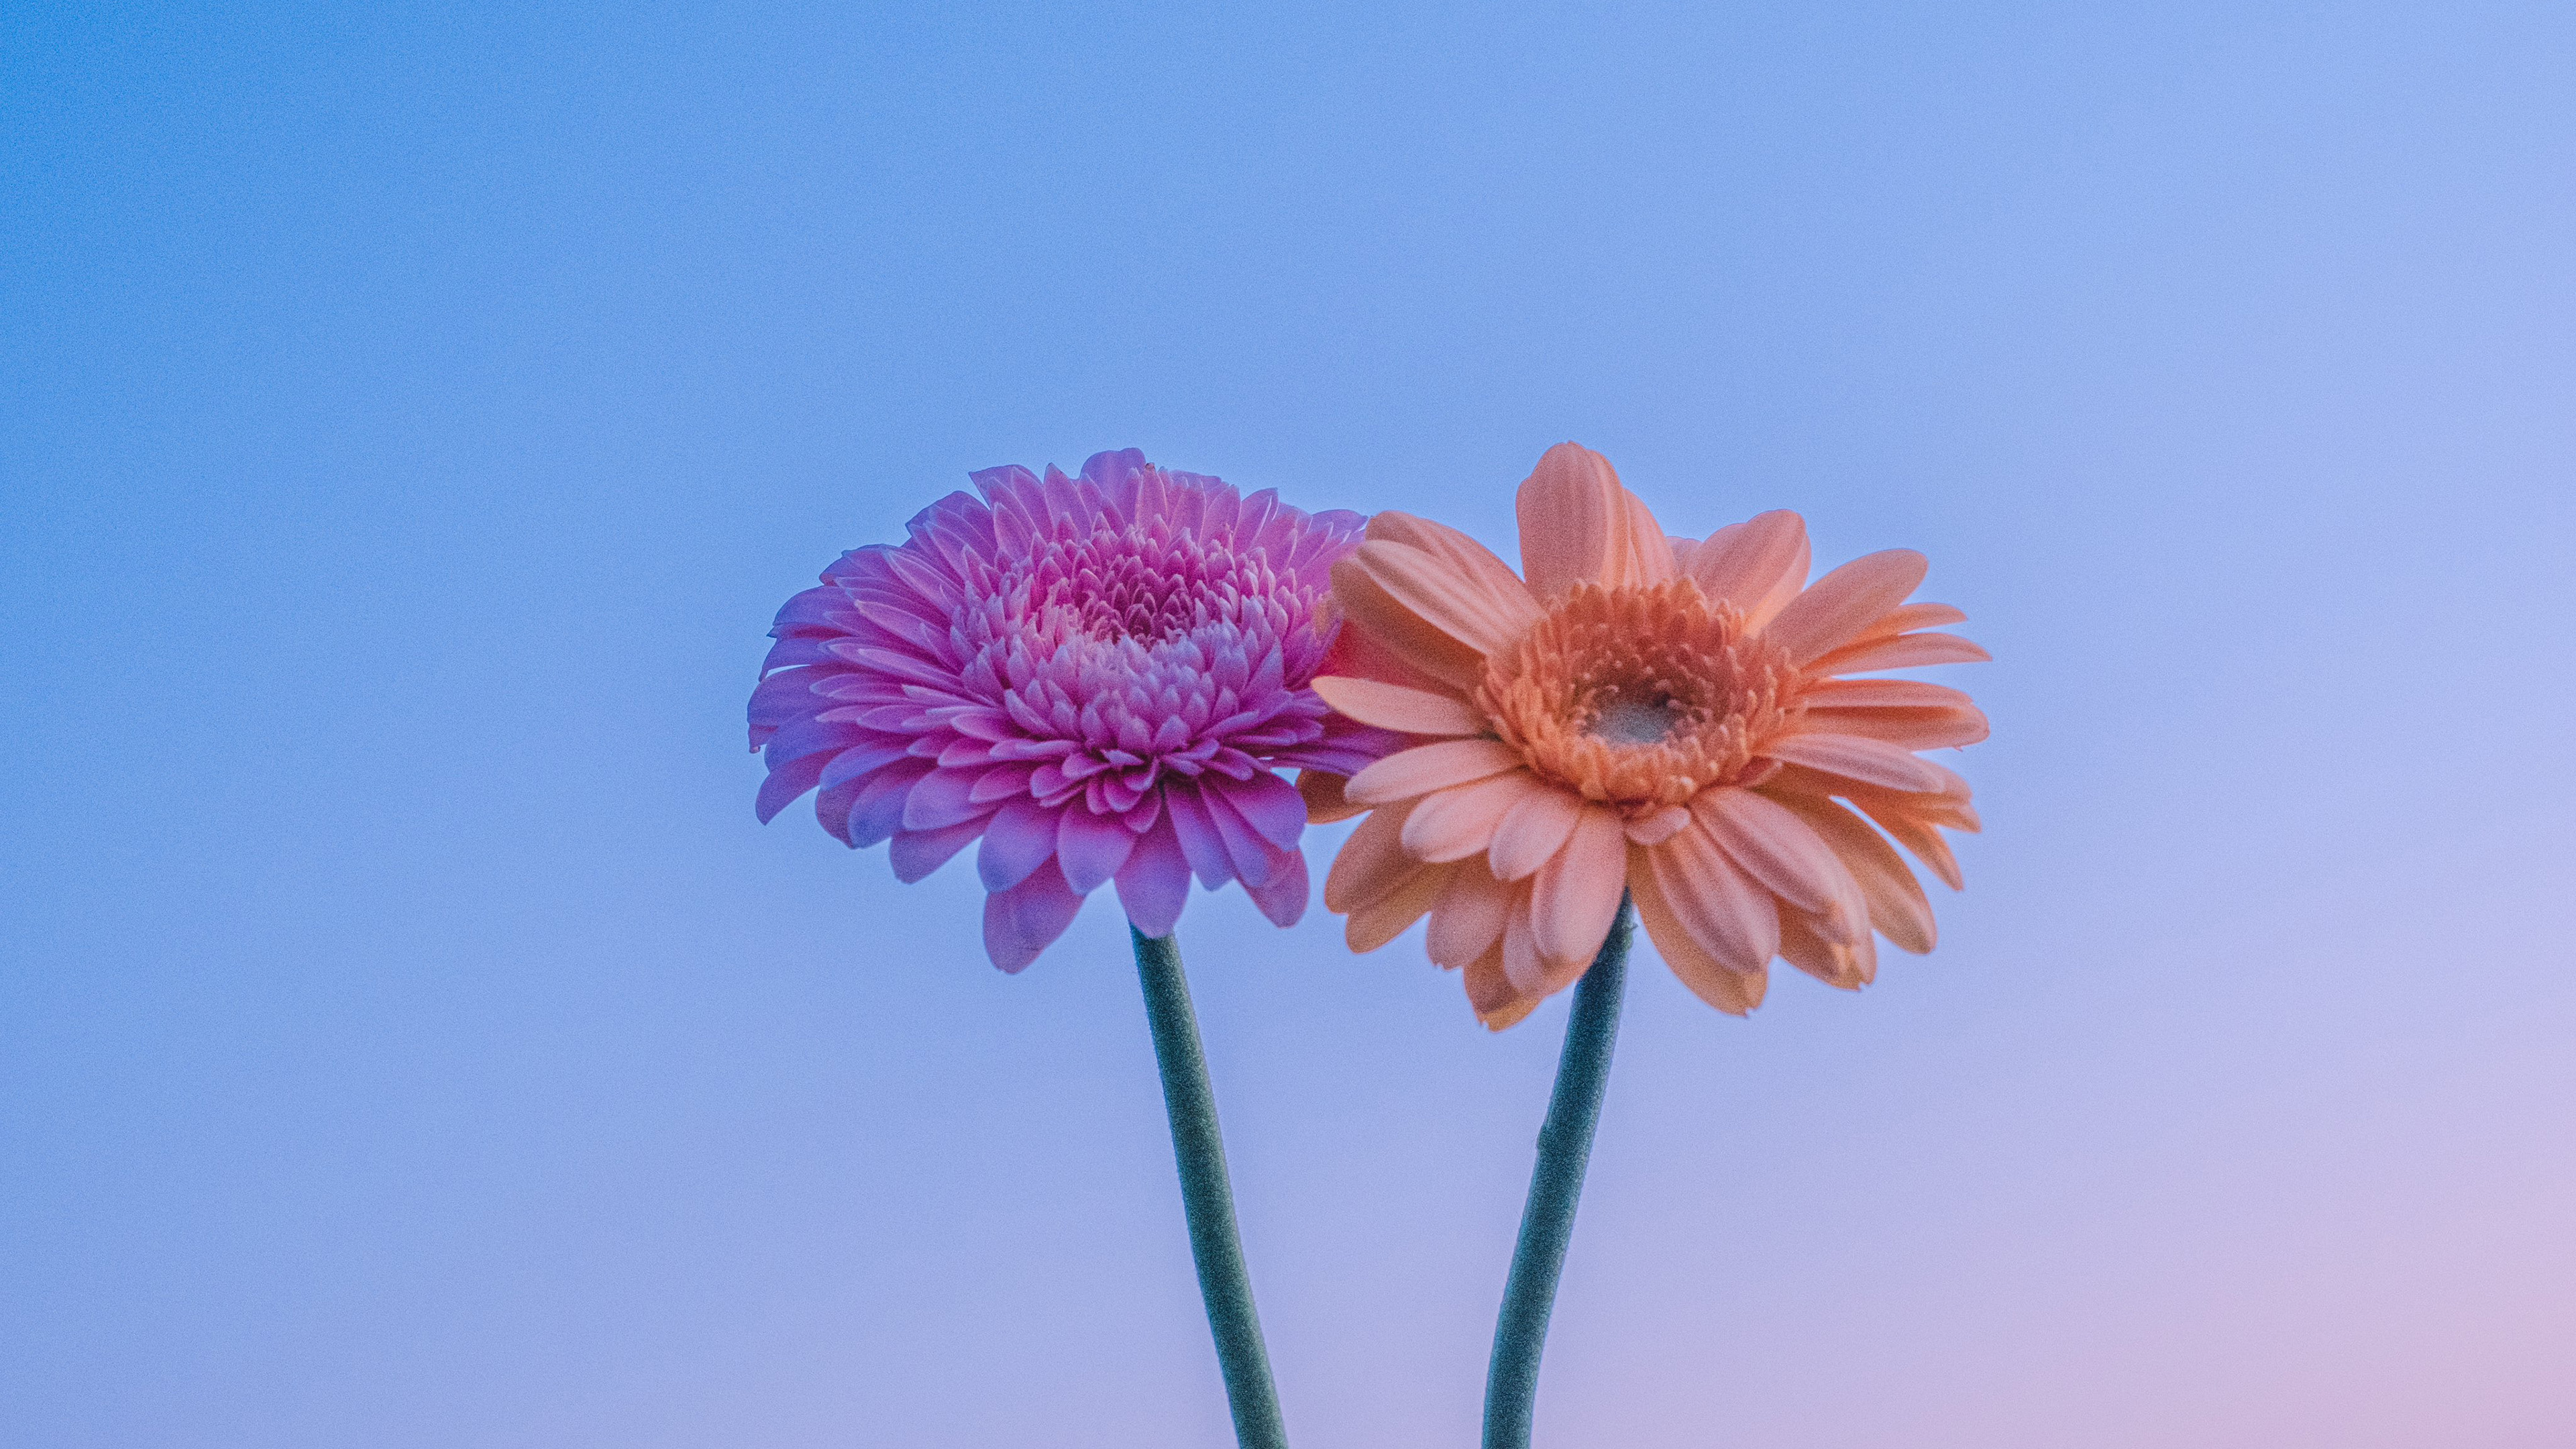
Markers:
1905,651
1534,830
1575,896
1089,848
1872,762
1027,918
1907,729
1458,822
1490,994
1574,521
916,853
1200,844
1772,845
1847,964
1396,630
1467,920
1648,554
1845,602
1386,918
1895,899
1393,707
1710,979
1472,560
1283,896
1438,593
1758,565
1729,917
1019,839
1322,792
1155,882
1425,768
1372,863
1884,694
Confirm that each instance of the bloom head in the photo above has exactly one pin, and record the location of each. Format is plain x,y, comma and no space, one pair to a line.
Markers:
1094,676
1664,717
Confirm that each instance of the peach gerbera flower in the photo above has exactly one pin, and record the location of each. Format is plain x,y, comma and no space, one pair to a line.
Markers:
1659,716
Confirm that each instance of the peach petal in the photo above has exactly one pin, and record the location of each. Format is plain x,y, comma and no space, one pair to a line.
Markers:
1533,831
1757,565
1458,822
1322,792
1471,559
1880,694
1711,980
1731,918
1895,900
1905,651
1573,517
1497,1003
1425,768
1382,920
1436,592
1467,920
1394,707
1872,762
1372,863
1906,618
1912,832
1649,556
1907,729
1837,607
1849,965
1657,828
1399,632
1575,896
1772,845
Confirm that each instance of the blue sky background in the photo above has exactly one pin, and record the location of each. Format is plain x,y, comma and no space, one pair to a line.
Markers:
410,417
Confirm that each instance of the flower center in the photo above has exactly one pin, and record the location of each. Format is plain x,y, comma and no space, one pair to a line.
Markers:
1640,697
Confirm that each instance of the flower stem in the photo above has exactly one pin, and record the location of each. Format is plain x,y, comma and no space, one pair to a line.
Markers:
1207,1197
1556,1187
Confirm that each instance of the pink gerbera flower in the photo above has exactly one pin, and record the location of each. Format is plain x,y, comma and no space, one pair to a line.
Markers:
1096,677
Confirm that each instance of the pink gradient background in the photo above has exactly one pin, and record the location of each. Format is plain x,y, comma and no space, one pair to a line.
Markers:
410,417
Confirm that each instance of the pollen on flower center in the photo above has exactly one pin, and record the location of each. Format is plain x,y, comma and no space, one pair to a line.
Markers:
1640,697
1636,721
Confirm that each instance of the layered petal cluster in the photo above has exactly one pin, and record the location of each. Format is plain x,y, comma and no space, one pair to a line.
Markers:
1095,677
1667,717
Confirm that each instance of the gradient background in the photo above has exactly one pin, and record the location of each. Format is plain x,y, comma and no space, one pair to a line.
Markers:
413,415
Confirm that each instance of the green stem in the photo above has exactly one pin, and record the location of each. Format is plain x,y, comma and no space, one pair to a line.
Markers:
1556,1187
1207,1198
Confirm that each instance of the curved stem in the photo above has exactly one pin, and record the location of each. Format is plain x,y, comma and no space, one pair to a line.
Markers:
1207,1197
1556,1187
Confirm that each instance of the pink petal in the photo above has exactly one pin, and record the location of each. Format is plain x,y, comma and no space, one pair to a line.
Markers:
1283,896
1200,844
1027,918
1155,882
1019,839
1269,804
916,853
1090,848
